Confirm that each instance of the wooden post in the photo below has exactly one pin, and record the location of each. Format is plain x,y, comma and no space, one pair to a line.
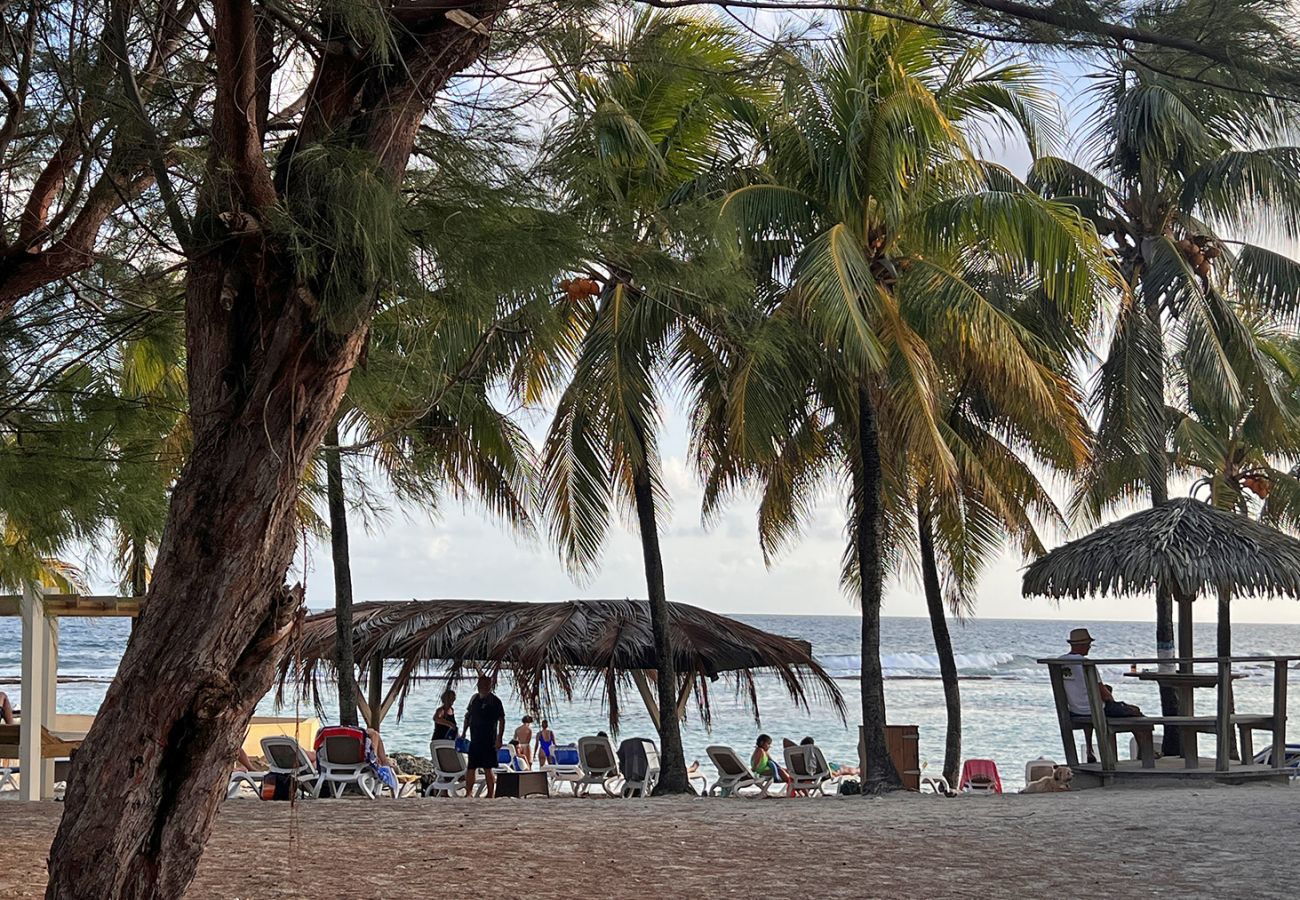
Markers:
1279,713
376,698
651,702
29,738
1105,750
1063,714
684,695
1186,648
1223,723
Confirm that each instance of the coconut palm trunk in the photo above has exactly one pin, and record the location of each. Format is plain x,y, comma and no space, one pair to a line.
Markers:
868,515
942,645
266,376
672,758
340,555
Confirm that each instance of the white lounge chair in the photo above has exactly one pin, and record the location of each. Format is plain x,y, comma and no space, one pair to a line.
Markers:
599,766
638,759
449,770
285,757
734,774
568,771
341,760
807,768
252,779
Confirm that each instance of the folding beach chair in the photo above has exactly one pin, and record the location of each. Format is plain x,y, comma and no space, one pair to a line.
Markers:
599,766
807,768
638,759
341,760
734,774
980,776
449,769
285,757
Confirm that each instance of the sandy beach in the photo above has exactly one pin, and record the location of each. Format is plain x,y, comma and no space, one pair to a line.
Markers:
1209,841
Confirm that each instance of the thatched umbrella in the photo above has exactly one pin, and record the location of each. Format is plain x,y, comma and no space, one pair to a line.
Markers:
1185,545
556,648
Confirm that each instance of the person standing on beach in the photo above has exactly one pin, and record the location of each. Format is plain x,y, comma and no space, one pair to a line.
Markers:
485,723
546,744
524,741
444,718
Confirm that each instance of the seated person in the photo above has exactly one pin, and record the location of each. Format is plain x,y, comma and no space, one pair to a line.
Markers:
1076,690
836,770
6,711
762,763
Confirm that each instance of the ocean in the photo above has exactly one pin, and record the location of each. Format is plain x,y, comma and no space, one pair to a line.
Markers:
1007,710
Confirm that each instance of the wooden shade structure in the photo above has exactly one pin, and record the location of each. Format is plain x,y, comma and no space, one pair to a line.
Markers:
557,648
1184,545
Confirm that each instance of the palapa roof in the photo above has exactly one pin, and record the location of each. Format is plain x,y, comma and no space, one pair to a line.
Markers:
557,649
1185,544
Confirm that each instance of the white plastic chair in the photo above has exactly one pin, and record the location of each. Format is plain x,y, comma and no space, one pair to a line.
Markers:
252,779
639,763
340,761
569,773
284,756
734,774
807,768
449,770
599,766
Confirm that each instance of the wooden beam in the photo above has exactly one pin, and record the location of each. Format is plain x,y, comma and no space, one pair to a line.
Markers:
1063,714
647,695
1280,672
684,695
11,605
1185,649
1105,750
1223,720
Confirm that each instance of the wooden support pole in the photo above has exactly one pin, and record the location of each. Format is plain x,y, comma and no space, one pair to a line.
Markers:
33,710
1186,650
376,699
647,695
1223,719
1279,713
684,695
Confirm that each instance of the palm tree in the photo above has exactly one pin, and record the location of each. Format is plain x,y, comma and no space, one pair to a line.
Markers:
1177,165
647,113
885,235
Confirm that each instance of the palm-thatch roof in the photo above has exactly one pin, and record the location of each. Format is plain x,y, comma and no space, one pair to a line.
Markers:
558,648
1184,544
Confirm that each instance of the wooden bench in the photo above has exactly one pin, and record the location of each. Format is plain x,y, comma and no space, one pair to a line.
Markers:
52,746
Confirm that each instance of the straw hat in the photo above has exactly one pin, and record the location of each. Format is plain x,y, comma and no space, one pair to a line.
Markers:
1080,636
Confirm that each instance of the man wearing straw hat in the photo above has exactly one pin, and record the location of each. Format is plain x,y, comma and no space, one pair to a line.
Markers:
1076,690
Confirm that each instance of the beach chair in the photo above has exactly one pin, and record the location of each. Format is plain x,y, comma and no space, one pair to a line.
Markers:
449,769
341,760
285,757
599,766
734,774
980,776
638,760
252,779
567,768
808,769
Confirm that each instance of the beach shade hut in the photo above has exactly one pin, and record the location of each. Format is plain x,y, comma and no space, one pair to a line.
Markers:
1184,545
554,649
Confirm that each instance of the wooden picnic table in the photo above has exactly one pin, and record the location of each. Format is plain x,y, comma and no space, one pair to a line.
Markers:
1184,685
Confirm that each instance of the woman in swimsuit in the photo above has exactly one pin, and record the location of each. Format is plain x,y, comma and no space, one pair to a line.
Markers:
444,718
545,743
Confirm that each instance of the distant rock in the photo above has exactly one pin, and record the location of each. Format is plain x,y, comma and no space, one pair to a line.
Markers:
410,764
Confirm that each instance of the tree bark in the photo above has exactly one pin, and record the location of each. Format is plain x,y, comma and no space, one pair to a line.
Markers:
139,568
1158,490
942,646
880,775
672,758
265,381
344,660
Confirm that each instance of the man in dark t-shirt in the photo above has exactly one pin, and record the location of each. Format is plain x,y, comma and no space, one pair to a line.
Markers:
485,723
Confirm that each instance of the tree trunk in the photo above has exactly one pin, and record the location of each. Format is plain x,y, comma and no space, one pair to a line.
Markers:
139,568
339,554
265,380
942,646
880,775
672,758
1224,648
1158,490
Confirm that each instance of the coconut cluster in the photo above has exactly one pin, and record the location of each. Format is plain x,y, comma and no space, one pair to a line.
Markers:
1200,251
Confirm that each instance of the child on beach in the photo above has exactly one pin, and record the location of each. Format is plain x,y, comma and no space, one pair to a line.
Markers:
524,739
763,764
545,744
